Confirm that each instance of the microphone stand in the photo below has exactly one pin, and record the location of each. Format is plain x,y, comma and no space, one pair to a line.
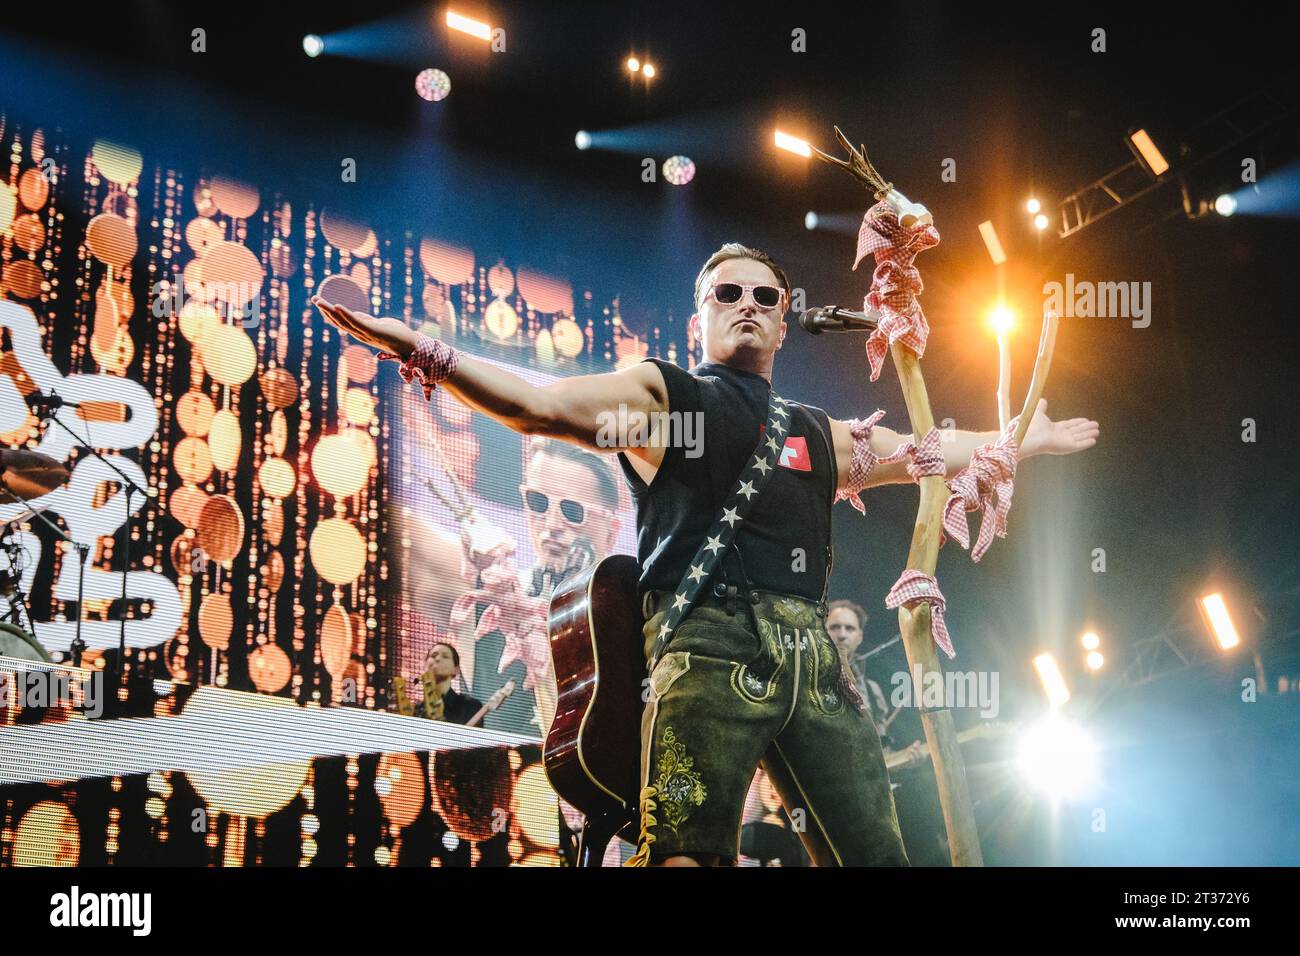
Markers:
127,487
78,646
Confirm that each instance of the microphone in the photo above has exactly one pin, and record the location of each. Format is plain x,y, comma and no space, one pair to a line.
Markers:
831,318
42,404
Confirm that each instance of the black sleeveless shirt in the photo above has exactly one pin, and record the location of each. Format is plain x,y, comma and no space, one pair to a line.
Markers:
784,544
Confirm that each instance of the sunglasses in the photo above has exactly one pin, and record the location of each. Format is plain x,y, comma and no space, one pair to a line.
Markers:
729,293
574,512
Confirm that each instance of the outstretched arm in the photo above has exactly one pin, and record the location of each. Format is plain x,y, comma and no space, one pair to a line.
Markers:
1044,437
571,409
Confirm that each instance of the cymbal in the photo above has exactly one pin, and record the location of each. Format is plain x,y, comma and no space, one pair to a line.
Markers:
29,473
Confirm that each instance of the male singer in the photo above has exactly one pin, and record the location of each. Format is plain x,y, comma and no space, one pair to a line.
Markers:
742,682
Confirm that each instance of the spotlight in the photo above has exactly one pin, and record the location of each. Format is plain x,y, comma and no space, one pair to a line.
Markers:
1040,222
793,143
474,28
1225,205
312,45
648,71
991,243
432,85
1152,160
633,64
1053,682
1216,612
1002,319
1095,660
810,221
582,140
679,170
1033,206
1090,641
1057,758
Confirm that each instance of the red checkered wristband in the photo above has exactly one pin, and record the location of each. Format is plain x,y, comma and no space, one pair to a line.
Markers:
431,362
926,458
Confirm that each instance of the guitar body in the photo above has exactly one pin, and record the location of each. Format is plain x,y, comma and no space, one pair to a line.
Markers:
592,755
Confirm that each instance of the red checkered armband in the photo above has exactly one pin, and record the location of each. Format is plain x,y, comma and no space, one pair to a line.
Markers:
431,362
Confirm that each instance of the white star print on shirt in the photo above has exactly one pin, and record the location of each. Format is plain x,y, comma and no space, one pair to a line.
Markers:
714,544
729,515
763,466
748,490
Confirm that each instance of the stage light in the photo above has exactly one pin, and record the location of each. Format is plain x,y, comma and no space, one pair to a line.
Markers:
312,45
582,140
1053,682
1001,319
678,170
433,85
1094,660
474,28
1090,641
810,221
648,71
633,64
1033,206
991,243
1216,612
1225,205
793,144
1057,758
1040,222
1147,153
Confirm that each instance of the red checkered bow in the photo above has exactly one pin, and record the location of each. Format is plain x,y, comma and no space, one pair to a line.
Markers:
917,586
896,282
991,471
927,457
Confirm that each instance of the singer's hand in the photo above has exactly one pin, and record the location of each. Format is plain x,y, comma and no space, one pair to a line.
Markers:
1046,437
390,335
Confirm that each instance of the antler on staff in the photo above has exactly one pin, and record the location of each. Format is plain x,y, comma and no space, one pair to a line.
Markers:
857,165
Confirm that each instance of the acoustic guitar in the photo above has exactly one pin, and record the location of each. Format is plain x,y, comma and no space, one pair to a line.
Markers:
592,755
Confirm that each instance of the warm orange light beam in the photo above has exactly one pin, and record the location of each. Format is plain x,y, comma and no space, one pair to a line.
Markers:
792,143
991,242
1216,610
474,28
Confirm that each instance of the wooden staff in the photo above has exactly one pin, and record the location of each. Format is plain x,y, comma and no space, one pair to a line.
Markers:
923,555
914,625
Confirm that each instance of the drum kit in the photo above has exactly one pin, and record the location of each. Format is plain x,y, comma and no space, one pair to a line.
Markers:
26,475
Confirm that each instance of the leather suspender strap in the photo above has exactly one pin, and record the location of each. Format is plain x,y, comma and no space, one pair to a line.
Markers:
753,478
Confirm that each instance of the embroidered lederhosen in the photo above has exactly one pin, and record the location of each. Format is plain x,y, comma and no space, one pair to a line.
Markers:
733,692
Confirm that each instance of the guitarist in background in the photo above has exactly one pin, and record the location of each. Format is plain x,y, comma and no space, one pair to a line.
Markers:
441,702
846,622
751,675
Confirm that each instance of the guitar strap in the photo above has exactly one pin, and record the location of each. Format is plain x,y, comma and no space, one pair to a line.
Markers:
752,480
